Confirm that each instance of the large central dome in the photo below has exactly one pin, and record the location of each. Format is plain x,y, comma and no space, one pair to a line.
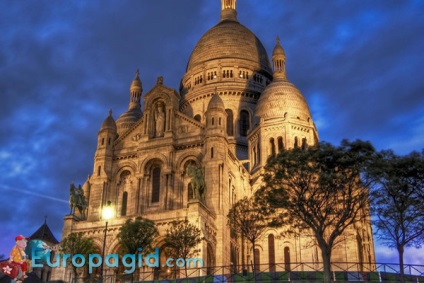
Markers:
230,39
228,57
228,60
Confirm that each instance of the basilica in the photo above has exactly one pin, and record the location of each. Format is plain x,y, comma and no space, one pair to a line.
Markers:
192,153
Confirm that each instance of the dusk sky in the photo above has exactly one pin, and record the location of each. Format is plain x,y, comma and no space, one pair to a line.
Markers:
64,64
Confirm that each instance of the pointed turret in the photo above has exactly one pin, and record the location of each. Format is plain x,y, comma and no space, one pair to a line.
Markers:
130,117
279,60
228,10
135,91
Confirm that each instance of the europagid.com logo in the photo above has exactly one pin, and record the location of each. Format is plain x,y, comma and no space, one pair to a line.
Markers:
130,261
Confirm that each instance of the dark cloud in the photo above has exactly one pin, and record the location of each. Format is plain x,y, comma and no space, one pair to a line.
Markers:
62,67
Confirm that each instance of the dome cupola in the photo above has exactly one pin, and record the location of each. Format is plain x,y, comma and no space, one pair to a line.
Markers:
216,103
279,60
133,114
136,89
109,123
216,116
228,10
281,98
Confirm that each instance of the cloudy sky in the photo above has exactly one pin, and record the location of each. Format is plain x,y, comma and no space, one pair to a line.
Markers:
64,64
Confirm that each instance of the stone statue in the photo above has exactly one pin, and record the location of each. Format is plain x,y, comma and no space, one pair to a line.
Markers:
159,120
77,200
72,199
197,181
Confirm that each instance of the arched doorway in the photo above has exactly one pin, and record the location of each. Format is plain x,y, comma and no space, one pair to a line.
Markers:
287,259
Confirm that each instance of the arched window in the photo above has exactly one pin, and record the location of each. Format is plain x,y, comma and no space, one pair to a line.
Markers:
211,152
296,142
210,259
124,204
197,118
213,121
230,130
155,184
271,253
287,259
280,144
244,123
304,144
233,256
360,249
272,146
257,259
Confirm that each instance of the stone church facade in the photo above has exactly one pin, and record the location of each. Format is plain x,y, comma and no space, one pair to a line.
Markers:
234,108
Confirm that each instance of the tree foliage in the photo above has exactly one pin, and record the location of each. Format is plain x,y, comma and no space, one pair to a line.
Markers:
248,219
181,239
398,200
136,234
76,243
320,189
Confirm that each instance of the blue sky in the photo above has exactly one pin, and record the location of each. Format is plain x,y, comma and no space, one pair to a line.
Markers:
63,65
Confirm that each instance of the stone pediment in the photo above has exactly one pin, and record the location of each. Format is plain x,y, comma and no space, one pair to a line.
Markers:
169,95
133,134
187,126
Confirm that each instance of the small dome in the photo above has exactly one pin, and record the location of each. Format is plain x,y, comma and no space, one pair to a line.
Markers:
136,83
128,119
216,103
278,50
282,99
109,123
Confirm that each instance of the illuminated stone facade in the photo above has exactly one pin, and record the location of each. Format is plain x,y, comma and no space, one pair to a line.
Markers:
232,111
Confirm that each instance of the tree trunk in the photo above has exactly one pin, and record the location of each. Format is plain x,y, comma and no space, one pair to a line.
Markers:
401,251
75,274
254,261
326,259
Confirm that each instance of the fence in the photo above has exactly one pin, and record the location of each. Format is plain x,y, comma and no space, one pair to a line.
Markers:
294,272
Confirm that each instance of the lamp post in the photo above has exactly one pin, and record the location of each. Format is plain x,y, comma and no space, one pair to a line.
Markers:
107,213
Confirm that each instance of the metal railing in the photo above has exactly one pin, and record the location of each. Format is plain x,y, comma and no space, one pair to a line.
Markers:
296,272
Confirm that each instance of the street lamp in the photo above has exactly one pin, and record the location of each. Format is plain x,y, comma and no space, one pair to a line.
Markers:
107,213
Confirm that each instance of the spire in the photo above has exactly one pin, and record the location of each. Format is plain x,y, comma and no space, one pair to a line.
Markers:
135,91
228,10
279,60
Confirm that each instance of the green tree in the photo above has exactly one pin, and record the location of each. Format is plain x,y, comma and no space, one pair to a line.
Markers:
181,240
398,202
76,243
247,218
320,189
135,235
